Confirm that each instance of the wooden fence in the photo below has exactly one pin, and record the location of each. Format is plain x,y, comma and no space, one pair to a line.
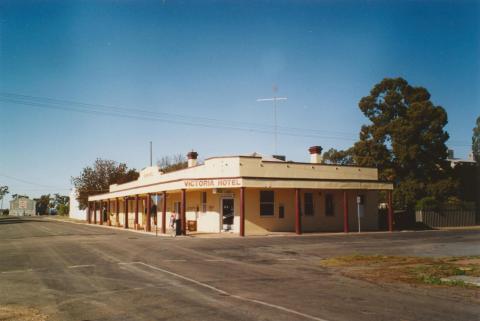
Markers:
447,217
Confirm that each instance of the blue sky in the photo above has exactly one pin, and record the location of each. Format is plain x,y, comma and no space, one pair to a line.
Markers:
212,60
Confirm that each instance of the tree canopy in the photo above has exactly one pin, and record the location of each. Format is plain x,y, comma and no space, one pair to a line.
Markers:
96,179
476,141
172,163
405,140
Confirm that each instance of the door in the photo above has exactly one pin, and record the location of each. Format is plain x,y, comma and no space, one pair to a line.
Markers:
227,213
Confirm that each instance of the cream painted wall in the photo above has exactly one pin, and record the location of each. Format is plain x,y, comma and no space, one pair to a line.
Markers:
319,221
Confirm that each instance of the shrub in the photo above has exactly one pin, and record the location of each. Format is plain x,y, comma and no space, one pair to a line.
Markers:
427,203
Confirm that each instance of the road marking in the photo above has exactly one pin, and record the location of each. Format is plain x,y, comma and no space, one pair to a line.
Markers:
215,260
80,266
17,271
238,297
286,259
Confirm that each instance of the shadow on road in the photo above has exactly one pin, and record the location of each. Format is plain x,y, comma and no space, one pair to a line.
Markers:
16,220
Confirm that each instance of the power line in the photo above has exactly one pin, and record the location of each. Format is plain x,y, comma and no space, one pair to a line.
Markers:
140,114
165,117
29,182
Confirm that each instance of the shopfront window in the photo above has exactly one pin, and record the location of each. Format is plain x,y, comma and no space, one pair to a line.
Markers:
329,207
308,203
267,204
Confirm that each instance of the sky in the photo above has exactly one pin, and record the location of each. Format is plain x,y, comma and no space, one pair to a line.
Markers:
101,79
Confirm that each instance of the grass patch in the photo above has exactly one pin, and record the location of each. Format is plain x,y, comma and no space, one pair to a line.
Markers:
408,269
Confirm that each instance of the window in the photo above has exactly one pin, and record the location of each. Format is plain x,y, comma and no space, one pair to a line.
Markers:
329,209
203,201
267,207
308,203
281,211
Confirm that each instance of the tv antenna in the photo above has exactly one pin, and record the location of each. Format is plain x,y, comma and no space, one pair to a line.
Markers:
274,99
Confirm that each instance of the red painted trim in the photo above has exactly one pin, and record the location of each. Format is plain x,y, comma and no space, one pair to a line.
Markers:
164,213
242,211
390,211
345,212
183,211
298,221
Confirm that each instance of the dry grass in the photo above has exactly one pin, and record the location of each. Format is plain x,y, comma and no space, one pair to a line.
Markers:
407,269
20,313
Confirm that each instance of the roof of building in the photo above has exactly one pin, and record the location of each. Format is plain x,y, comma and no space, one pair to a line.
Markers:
254,171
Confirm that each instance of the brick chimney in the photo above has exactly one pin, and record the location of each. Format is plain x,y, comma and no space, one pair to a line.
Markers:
315,154
192,158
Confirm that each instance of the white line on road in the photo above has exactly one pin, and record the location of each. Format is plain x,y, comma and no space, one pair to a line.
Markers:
215,260
80,266
18,271
286,259
274,306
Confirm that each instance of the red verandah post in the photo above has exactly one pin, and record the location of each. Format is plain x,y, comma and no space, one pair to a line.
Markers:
109,208
298,221
126,212
149,214
135,223
101,213
164,213
94,212
183,212
345,212
89,220
390,211
242,211
117,212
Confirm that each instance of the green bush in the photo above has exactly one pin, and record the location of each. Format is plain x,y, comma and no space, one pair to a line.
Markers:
427,203
433,204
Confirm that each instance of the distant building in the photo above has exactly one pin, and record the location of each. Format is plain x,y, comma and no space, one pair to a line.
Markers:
75,212
455,161
22,206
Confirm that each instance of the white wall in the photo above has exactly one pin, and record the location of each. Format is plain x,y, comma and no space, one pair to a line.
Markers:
74,212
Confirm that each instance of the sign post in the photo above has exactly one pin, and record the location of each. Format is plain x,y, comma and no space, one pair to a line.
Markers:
359,201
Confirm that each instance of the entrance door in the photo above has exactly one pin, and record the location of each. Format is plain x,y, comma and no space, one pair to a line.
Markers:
227,213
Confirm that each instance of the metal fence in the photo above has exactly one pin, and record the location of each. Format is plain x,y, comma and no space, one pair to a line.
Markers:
448,217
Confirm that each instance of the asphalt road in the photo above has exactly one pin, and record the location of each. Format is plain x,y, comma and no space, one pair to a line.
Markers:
80,272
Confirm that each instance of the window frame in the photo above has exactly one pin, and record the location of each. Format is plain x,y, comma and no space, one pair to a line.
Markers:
329,204
270,204
312,203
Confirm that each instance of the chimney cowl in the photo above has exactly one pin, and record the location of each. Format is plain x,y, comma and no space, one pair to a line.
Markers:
192,155
315,150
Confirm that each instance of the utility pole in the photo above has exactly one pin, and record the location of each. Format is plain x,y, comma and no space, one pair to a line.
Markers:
151,162
274,99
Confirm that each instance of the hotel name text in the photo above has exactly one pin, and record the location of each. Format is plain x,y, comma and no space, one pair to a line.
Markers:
213,183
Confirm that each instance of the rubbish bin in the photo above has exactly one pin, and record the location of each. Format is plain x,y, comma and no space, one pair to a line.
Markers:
178,227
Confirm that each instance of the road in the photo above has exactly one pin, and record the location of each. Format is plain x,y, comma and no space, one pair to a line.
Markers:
79,272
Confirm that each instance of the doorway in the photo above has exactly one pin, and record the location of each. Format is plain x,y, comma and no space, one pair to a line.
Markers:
227,213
